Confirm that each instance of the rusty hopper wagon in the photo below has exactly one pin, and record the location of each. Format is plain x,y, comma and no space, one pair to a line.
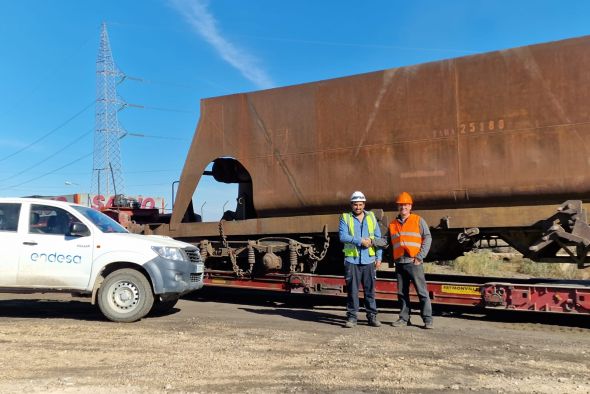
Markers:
492,147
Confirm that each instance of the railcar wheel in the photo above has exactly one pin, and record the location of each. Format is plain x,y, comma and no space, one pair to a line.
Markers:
125,296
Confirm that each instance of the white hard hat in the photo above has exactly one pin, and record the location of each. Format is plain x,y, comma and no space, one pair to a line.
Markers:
357,196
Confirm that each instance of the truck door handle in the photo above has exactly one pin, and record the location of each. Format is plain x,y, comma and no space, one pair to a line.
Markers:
30,243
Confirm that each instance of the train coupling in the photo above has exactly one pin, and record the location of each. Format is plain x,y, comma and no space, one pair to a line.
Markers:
569,229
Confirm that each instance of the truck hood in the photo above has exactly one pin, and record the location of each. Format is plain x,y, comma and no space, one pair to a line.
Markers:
149,240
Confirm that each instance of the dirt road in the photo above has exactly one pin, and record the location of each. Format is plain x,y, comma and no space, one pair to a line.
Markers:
234,342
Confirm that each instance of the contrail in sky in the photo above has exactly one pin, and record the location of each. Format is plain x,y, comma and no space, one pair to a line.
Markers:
204,23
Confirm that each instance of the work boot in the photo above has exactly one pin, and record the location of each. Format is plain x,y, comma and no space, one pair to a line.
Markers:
428,325
350,323
373,322
400,323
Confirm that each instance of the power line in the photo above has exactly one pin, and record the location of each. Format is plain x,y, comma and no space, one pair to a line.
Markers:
50,172
151,171
177,84
153,184
158,108
170,109
35,190
42,161
310,42
160,137
49,133
175,170
140,135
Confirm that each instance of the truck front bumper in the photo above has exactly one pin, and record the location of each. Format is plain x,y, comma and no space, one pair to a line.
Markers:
175,277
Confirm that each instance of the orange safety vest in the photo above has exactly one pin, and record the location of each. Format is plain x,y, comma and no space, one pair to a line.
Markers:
405,238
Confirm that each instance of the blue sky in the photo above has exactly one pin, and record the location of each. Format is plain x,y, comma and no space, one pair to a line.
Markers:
186,50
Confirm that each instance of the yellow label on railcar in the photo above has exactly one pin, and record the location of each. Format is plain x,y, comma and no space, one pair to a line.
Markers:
219,281
454,289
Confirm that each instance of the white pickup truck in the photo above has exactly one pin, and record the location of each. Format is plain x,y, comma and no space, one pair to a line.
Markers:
52,246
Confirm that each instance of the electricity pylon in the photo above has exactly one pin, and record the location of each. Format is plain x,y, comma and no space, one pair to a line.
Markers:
107,177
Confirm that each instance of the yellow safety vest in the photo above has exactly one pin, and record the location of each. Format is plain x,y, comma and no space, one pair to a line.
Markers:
350,249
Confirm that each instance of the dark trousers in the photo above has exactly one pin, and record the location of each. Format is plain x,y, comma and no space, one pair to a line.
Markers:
407,273
355,275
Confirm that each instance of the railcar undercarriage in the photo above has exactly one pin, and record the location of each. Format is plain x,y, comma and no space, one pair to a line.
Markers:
302,255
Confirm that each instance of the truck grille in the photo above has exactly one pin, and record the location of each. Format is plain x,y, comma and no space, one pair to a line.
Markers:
193,255
195,278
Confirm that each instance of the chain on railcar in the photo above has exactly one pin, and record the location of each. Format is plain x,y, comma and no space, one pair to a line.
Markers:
275,254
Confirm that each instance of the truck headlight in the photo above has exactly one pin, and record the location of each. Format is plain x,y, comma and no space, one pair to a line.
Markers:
170,253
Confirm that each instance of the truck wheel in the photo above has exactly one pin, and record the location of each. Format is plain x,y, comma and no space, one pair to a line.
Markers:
125,296
163,306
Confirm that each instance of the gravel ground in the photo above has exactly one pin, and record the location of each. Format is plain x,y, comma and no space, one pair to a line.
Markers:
227,341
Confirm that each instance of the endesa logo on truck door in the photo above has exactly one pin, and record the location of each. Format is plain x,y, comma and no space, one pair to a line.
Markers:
56,257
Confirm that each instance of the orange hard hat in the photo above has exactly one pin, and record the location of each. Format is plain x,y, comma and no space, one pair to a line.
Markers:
404,198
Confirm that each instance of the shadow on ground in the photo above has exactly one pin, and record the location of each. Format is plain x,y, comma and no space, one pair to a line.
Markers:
312,308
50,309
302,315
266,298
34,308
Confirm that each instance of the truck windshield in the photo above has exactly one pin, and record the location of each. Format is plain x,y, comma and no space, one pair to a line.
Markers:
100,220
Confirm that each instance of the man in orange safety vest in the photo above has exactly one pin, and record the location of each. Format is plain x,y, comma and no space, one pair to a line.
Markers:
410,240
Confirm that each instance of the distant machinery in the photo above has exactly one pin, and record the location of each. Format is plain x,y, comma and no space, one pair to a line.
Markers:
107,177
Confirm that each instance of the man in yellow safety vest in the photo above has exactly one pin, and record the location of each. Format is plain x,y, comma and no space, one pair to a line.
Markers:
358,228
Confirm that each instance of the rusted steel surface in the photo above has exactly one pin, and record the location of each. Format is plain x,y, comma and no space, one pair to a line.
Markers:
486,217
510,127
267,226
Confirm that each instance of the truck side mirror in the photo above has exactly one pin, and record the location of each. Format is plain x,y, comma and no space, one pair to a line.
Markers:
79,230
